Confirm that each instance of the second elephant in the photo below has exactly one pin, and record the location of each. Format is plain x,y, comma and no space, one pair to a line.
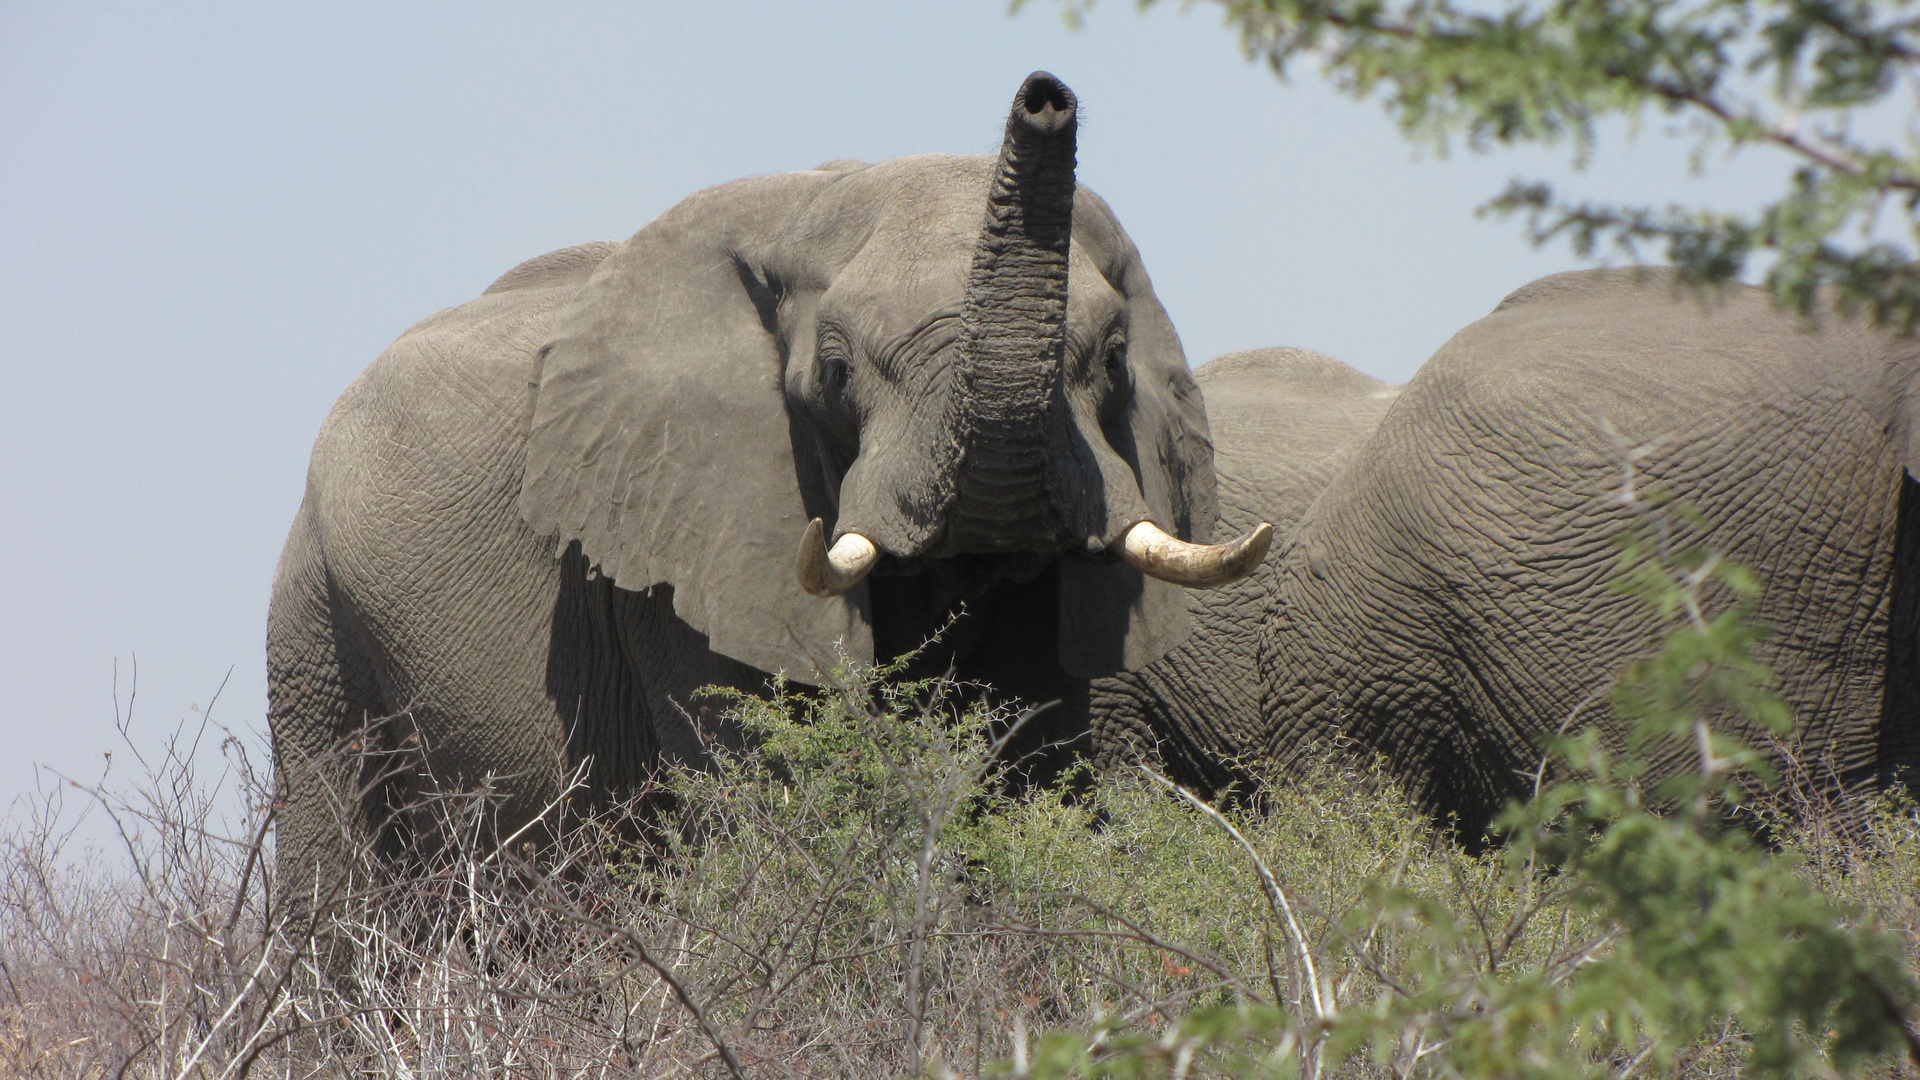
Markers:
1285,423
1446,602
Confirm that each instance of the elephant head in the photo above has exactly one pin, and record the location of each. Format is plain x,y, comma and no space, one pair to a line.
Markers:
943,365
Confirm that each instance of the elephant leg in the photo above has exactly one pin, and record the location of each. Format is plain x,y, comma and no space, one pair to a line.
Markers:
1021,624
674,665
321,691
1899,752
1189,713
606,678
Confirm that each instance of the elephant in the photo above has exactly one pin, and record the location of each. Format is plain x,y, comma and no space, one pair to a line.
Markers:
1285,422
796,417
1445,601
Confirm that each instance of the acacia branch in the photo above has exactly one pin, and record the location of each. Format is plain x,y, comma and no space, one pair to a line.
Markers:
1783,137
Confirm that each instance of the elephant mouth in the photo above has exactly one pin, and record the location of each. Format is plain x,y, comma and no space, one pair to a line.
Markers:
969,575
1143,545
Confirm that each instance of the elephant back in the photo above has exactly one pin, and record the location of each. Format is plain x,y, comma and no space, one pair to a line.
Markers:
568,266
1283,421
1449,598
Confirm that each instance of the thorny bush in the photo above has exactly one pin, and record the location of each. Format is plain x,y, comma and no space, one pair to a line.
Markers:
859,894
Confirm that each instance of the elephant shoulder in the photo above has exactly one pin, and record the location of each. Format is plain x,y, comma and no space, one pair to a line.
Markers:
1640,334
1645,322
445,407
483,351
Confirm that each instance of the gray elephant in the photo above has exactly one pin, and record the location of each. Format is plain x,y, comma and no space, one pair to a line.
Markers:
1445,602
542,520
1285,422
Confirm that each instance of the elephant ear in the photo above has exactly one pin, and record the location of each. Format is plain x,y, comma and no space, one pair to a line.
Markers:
660,438
1112,617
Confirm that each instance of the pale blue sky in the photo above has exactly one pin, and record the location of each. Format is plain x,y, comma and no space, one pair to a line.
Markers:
212,215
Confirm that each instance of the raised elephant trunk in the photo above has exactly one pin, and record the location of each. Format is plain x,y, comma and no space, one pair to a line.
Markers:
990,466
1013,329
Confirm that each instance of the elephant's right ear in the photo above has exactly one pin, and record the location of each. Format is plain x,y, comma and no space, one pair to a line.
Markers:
660,437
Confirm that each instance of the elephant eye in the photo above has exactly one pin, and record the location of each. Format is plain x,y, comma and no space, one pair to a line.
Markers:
835,372
830,398
1119,380
831,367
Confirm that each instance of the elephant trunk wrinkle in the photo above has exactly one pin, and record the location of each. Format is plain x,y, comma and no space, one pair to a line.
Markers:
1013,332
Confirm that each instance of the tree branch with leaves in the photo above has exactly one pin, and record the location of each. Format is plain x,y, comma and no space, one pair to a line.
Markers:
1830,83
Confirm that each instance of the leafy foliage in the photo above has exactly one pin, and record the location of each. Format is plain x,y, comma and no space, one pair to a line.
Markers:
1811,78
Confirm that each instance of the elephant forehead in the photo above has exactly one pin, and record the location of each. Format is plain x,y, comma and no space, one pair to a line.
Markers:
890,291
888,300
908,189
1090,296
916,206
921,219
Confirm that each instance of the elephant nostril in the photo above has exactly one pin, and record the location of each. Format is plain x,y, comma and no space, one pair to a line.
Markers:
1048,104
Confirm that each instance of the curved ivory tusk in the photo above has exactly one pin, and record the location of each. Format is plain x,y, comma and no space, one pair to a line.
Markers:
1154,553
830,573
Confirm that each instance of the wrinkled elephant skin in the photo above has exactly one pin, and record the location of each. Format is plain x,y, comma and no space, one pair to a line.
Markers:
1285,422
1445,601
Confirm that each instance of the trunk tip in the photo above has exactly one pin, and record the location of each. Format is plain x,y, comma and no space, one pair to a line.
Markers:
1045,104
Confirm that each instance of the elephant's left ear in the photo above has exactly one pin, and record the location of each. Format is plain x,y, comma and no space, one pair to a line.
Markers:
660,437
1112,617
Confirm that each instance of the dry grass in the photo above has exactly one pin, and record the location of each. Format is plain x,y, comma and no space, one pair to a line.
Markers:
855,898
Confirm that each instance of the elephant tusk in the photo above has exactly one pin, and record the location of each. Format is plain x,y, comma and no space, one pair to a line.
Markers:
1197,566
830,573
